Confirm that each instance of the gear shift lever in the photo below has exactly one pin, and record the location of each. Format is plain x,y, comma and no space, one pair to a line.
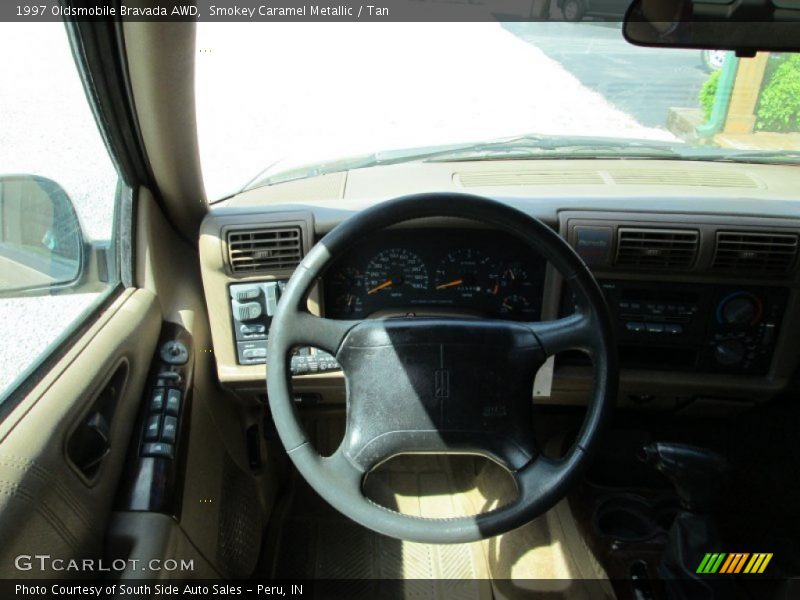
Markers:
698,476
696,473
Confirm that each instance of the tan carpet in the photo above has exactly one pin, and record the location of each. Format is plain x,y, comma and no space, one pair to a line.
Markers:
544,559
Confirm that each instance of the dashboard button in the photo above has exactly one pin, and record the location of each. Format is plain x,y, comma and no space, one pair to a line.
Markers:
634,326
255,353
655,327
247,311
673,328
243,293
253,329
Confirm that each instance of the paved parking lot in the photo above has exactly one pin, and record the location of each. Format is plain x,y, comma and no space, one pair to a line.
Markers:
642,82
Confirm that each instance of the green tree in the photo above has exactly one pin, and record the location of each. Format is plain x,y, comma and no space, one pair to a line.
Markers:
779,105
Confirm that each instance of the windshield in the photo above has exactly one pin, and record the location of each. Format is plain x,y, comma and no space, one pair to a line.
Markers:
281,101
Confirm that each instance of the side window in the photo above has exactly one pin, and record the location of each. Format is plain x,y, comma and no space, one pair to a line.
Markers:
57,200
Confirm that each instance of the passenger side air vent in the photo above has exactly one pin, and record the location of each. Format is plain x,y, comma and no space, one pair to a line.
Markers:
264,249
755,251
656,248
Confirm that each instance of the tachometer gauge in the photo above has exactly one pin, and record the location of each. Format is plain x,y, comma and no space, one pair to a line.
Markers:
394,272
467,272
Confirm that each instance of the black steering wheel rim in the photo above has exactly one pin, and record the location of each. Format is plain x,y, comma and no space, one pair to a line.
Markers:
541,481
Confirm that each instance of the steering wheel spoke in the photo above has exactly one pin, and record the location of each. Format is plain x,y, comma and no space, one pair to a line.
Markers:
319,332
574,332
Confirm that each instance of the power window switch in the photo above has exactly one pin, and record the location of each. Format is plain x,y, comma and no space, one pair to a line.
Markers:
169,432
158,450
173,402
152,428
157,400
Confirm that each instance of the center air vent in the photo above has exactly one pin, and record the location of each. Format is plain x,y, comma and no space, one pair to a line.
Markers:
755,251
264,249
656,248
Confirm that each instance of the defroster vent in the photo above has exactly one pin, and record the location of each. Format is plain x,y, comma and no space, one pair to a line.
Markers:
656,248
256,250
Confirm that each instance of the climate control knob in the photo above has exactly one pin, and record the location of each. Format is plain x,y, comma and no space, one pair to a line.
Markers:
739,309
729,352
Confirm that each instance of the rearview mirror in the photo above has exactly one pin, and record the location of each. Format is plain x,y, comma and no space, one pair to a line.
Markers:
745,26
41,244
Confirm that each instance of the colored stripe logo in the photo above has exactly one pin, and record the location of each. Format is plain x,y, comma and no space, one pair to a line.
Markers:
736,562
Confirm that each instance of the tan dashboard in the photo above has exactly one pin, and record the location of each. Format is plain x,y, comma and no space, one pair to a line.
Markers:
705,302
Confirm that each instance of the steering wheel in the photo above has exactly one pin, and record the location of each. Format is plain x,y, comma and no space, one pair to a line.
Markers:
438,385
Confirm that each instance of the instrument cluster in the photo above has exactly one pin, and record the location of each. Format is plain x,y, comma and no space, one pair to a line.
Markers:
478,272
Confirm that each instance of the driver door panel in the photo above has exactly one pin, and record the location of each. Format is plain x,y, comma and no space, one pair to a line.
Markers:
49,505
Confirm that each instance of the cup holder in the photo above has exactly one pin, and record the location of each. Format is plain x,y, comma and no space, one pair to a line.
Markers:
629,518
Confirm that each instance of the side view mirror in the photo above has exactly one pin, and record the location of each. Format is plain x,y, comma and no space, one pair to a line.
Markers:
744,26
41,243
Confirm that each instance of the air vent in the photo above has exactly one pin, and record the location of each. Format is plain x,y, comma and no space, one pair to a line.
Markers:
264,249
656,248
752,251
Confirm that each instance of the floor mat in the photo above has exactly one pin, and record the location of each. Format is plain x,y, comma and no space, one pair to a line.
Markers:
317,542
307,539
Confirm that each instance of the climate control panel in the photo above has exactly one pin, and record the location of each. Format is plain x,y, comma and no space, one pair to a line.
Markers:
252,307
744,329
704,328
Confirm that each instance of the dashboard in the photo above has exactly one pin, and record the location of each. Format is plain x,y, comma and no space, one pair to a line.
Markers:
702,281
470,272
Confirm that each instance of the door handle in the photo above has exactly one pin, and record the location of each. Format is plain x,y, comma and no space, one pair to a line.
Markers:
90,444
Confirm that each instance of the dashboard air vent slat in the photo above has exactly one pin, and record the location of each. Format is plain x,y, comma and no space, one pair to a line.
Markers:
689,177
752,251
264,249
656,248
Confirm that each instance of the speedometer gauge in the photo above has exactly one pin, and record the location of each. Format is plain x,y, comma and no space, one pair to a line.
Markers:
395,271
467,272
